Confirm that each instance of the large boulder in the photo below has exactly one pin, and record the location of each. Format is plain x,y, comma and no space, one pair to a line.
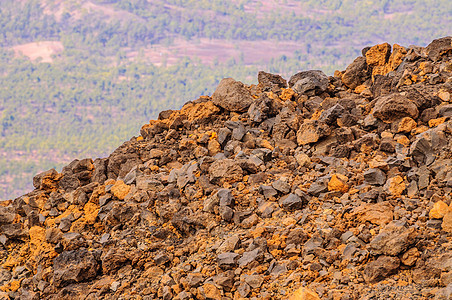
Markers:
232,95
439,47
392,107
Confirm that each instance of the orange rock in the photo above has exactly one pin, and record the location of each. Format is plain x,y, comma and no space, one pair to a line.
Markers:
379,213
120,189
360,88
211,291
436,122
378,55
396,185
397,56
445,96
406,125
214,147
338,183
201,110
447,222
91,211
304,294
287,94
439,210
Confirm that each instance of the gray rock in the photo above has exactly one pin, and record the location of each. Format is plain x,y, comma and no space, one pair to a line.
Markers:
312,244
210,203
374,177
330,115
225,197
291,202
254,281
232,95
244,289
445,110
194,279
239,132
250,256
223,135
7,215
270,81
161,259
267,191
282,186
439,47
227,260
226,213
309,82
422,152
225,170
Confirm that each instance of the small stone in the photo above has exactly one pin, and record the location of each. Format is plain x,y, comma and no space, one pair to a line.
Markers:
311,132
267,191
226,213
225,197
303,160
249,257
445,96
393,239
244,289
439,210
338,183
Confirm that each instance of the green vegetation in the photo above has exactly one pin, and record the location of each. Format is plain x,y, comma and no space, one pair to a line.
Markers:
92,96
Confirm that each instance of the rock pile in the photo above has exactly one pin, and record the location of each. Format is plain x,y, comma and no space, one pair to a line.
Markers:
316,188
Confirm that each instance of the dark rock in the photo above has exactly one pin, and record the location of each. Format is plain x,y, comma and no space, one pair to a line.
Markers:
381,268
309,82
226,213
232,95
291,202
267,191
382,85
269,81
249,257
439,47
422,152
69,183
374,177
445,110
330,115
113,260
194,279
227,260
296,236
225,197
74,266
392,107
356,73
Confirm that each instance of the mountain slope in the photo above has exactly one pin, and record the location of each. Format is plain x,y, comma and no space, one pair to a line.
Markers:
313,188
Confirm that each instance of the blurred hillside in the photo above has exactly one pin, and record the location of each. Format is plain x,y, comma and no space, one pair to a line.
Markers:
78,77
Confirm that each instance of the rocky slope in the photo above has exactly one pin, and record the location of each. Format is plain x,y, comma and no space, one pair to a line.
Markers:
316,188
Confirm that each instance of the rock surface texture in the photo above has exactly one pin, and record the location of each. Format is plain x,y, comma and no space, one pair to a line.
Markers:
316,188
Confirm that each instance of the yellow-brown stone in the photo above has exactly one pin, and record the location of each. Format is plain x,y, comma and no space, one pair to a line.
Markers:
203,110
338,182
211,291
436,122
439,210
120,189
447,222
396,185
406,125
91,211
287,94
378,55
304,294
